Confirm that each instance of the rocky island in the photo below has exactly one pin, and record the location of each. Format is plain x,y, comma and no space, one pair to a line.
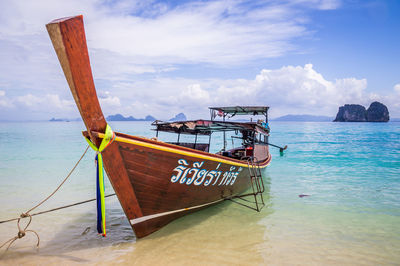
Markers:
377,112
179,117
119,117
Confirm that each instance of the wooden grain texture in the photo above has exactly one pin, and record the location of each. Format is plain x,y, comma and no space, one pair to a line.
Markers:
69,41
141,175
150,172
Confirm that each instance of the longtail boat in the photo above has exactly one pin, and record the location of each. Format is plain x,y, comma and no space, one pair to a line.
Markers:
155,181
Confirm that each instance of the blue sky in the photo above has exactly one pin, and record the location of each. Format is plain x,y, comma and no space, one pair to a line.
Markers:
165,57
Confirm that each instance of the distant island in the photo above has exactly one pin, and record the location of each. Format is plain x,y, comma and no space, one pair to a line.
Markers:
119,117
179,117
59,120
303,118
64,119
354,108
377,112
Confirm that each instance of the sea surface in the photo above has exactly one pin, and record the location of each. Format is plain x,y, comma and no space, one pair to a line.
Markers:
349,174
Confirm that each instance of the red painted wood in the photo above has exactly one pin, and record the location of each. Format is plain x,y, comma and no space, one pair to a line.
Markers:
78,64
150,171
69,41
140,176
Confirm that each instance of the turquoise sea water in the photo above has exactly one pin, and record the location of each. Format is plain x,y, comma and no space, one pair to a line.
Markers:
350,172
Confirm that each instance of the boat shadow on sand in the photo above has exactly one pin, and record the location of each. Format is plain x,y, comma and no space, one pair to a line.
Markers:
79,237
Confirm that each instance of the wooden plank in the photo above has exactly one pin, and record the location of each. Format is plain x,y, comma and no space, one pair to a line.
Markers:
69,41
140,174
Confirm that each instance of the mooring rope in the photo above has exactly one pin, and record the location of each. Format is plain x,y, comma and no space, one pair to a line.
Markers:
62,183
58,208
22,232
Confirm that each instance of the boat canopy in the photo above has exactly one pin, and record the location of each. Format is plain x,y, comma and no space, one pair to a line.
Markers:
241,110
206,127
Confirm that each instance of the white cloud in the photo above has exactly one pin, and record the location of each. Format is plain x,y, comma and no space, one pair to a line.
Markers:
134,37
4,101
29,100
293,89
394,103
397,88
218,32
328,4
133,44
109,101
211,32
194,94
290,89
44,103
55,101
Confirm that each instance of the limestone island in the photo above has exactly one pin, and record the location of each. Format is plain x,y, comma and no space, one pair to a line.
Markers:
377,112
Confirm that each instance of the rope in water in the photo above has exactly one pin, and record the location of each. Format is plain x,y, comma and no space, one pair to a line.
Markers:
22,232
58,208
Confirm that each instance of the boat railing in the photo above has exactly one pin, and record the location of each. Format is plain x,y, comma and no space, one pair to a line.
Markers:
193,145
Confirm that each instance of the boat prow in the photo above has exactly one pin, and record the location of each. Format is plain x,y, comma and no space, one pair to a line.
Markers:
157,182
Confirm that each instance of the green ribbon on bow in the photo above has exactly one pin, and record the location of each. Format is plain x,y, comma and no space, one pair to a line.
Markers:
109,137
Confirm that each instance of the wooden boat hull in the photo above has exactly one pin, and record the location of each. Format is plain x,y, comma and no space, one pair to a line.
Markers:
170,181
155,182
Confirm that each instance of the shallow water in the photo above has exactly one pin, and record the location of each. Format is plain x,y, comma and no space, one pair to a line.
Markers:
350,172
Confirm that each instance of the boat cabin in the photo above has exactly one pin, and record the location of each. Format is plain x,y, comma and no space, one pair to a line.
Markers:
249,139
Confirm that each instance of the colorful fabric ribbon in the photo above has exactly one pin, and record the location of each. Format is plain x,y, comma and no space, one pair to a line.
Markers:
109,137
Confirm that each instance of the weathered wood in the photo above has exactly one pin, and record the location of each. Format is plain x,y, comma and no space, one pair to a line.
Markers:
69,41
155,182
150,171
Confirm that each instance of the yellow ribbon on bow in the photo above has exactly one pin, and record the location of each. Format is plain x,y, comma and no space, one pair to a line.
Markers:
109,137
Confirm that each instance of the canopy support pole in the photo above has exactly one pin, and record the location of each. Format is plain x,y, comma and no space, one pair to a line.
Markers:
224,134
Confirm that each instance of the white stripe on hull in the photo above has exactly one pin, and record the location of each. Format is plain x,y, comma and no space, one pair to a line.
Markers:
149,217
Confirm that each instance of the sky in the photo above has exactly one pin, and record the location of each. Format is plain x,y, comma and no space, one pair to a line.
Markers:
161,58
